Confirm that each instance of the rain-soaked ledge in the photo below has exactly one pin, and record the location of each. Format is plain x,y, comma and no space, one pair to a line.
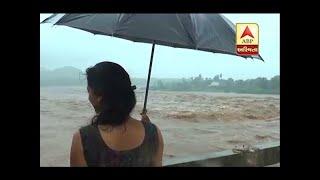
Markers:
267,154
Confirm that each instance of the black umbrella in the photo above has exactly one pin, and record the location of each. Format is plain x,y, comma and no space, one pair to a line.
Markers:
206,32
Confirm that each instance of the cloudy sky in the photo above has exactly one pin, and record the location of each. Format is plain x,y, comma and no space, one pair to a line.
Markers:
63,46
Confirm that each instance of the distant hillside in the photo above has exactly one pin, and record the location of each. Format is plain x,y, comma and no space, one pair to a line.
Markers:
65,76
141,83
71,76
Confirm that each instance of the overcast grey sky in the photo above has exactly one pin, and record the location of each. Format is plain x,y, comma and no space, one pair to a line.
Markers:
63,46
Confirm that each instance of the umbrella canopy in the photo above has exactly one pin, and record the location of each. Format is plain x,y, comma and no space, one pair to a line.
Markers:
206,32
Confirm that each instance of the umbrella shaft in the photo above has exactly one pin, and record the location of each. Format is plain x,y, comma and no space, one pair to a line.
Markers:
148,81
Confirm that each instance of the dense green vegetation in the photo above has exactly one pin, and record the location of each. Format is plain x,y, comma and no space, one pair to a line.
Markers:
217,84
70,76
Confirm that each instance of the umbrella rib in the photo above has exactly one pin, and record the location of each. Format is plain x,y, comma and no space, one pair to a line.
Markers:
115,25
186,30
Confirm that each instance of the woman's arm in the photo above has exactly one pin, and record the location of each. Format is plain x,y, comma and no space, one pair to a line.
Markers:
158,157
76,153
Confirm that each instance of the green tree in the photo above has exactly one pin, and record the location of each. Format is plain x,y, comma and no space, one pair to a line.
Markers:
216,78
230,82
275,82
262,83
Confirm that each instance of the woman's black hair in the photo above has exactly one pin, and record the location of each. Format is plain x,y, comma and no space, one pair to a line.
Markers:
112,82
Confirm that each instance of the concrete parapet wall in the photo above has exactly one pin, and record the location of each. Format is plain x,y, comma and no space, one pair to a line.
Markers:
267,154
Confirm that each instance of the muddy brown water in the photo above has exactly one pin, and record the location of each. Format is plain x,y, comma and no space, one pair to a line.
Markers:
192,123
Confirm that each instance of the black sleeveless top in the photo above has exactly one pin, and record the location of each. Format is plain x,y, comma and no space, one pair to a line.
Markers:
98,154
